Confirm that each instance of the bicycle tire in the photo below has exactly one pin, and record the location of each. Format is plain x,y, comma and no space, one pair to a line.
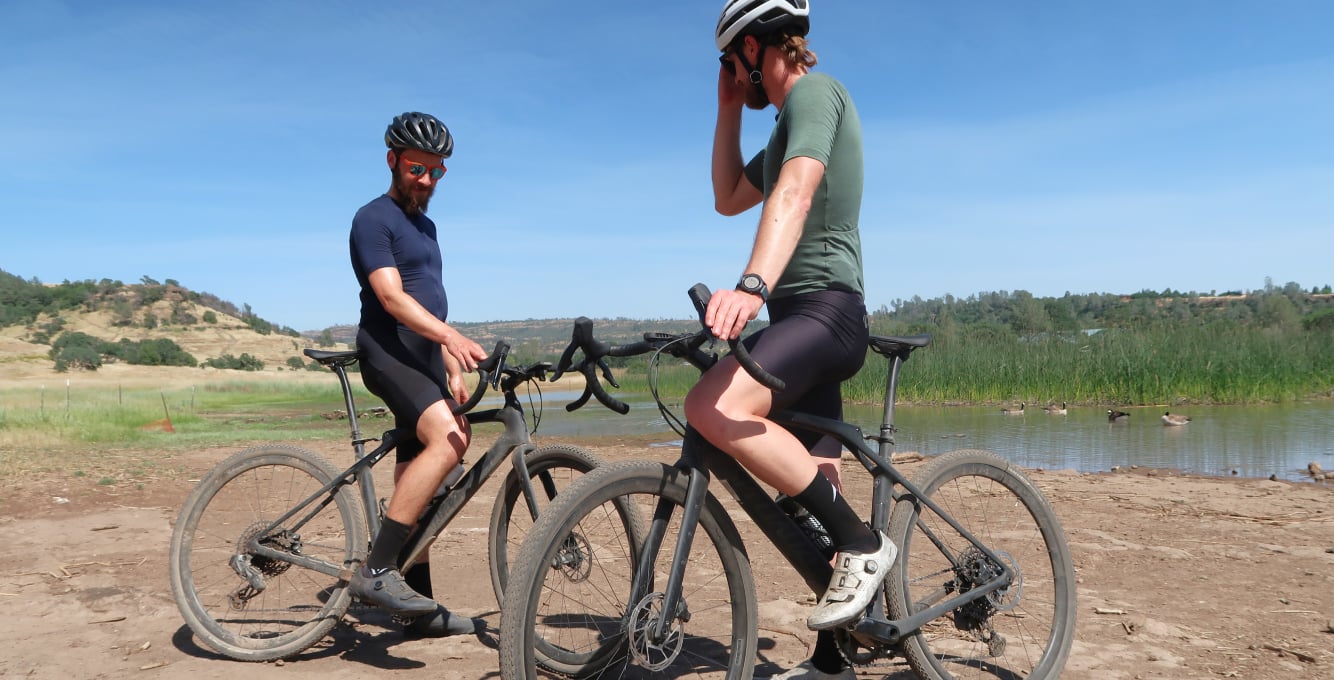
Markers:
1022,631
578,618
297,606
561,464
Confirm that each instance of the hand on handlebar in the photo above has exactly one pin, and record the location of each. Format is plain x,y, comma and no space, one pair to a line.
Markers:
464,351
490,368
729,311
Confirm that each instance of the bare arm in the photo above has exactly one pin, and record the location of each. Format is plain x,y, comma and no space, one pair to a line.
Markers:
733,194
388,287
781,225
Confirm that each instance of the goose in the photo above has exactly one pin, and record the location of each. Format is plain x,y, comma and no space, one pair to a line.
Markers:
1115,416
1169,419
1055,410
1014,411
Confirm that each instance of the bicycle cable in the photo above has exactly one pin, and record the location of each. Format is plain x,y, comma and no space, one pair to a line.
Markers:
535,411
672,421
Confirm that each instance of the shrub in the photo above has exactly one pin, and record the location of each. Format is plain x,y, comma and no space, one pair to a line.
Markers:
245,362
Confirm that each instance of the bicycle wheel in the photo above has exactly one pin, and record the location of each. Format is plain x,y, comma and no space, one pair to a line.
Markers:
570,608
552,468
1023,630
256,608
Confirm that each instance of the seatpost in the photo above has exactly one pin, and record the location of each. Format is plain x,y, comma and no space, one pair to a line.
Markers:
887,421
367,485
341,371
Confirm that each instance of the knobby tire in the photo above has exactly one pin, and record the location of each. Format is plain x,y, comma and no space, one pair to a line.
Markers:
297,606
511,522
1024,631
569,609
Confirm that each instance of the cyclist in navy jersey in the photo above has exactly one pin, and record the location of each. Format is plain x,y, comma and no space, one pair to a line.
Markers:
806,265
413,360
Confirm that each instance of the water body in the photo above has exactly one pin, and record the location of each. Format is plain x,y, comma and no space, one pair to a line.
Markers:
1244,441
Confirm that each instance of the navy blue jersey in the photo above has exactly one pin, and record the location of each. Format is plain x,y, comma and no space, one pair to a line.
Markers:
384,236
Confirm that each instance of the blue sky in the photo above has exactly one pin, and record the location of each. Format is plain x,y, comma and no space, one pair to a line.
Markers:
1043,146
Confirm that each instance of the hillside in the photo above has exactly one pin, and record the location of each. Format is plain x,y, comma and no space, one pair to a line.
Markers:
33,316
1272,344
536,339
21,345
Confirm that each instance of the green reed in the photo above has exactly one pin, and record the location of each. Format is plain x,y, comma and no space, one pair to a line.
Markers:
1216,363
1164,364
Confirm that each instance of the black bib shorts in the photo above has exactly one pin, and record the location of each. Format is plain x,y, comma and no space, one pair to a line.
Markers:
814,342
407,372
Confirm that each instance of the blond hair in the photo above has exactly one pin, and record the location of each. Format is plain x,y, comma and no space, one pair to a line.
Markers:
798,52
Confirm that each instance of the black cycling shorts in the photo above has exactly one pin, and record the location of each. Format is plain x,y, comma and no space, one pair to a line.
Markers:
407,372
813,343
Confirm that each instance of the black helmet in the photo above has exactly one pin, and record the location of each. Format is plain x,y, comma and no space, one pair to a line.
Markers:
760,17
420,131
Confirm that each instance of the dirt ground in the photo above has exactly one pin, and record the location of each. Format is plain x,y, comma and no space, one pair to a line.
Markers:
1179,577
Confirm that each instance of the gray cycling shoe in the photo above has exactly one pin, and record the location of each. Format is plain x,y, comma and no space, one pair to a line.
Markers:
856,580
386,588
442,623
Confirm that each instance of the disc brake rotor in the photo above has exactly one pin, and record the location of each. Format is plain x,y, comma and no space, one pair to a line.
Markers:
574,559
652,649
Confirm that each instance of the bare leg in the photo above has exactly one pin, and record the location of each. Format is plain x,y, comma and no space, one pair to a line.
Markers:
444,439
724,407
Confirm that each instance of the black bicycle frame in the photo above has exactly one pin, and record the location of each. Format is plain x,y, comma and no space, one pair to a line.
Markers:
513,442
701,460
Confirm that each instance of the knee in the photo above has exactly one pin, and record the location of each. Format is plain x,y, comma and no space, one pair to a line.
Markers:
701,412
444,433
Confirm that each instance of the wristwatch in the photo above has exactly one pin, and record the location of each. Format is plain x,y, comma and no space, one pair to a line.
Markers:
752,283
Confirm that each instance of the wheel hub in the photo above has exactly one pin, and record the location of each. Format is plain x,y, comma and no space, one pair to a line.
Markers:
574,559
652,648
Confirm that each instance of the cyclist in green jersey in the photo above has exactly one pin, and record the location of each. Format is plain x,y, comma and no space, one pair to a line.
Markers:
806,265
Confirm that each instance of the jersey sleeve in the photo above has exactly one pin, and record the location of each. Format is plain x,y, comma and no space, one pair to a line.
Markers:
755,171
812,119
372,244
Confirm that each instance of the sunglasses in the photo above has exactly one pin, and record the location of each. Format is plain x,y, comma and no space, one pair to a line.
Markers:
726,60
417,170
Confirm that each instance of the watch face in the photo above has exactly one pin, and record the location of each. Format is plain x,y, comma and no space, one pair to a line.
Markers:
750,282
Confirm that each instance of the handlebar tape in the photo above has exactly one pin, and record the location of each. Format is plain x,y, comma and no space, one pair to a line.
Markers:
699,294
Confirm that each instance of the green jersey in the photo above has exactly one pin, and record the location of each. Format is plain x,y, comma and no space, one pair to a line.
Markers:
818,120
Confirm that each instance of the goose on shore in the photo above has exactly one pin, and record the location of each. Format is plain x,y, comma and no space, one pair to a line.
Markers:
1169,419
1115,416
1014,411
1055,410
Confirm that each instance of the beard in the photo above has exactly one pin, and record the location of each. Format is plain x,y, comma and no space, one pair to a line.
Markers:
756,99
411,198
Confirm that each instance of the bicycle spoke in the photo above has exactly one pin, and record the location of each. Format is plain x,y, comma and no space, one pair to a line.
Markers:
1022,630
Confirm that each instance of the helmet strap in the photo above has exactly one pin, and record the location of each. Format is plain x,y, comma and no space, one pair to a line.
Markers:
756,77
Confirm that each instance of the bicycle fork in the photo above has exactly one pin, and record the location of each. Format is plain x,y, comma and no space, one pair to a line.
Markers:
673,607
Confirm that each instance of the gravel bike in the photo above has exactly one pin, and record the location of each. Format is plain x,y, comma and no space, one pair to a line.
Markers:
983,587
264,546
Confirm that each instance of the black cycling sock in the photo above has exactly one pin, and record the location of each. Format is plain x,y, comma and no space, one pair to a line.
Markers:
418,577
827,658
385,549
846,529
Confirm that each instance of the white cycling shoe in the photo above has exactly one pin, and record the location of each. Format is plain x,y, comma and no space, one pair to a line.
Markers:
856,580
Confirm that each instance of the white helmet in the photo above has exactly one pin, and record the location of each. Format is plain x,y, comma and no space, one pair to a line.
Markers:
758,17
